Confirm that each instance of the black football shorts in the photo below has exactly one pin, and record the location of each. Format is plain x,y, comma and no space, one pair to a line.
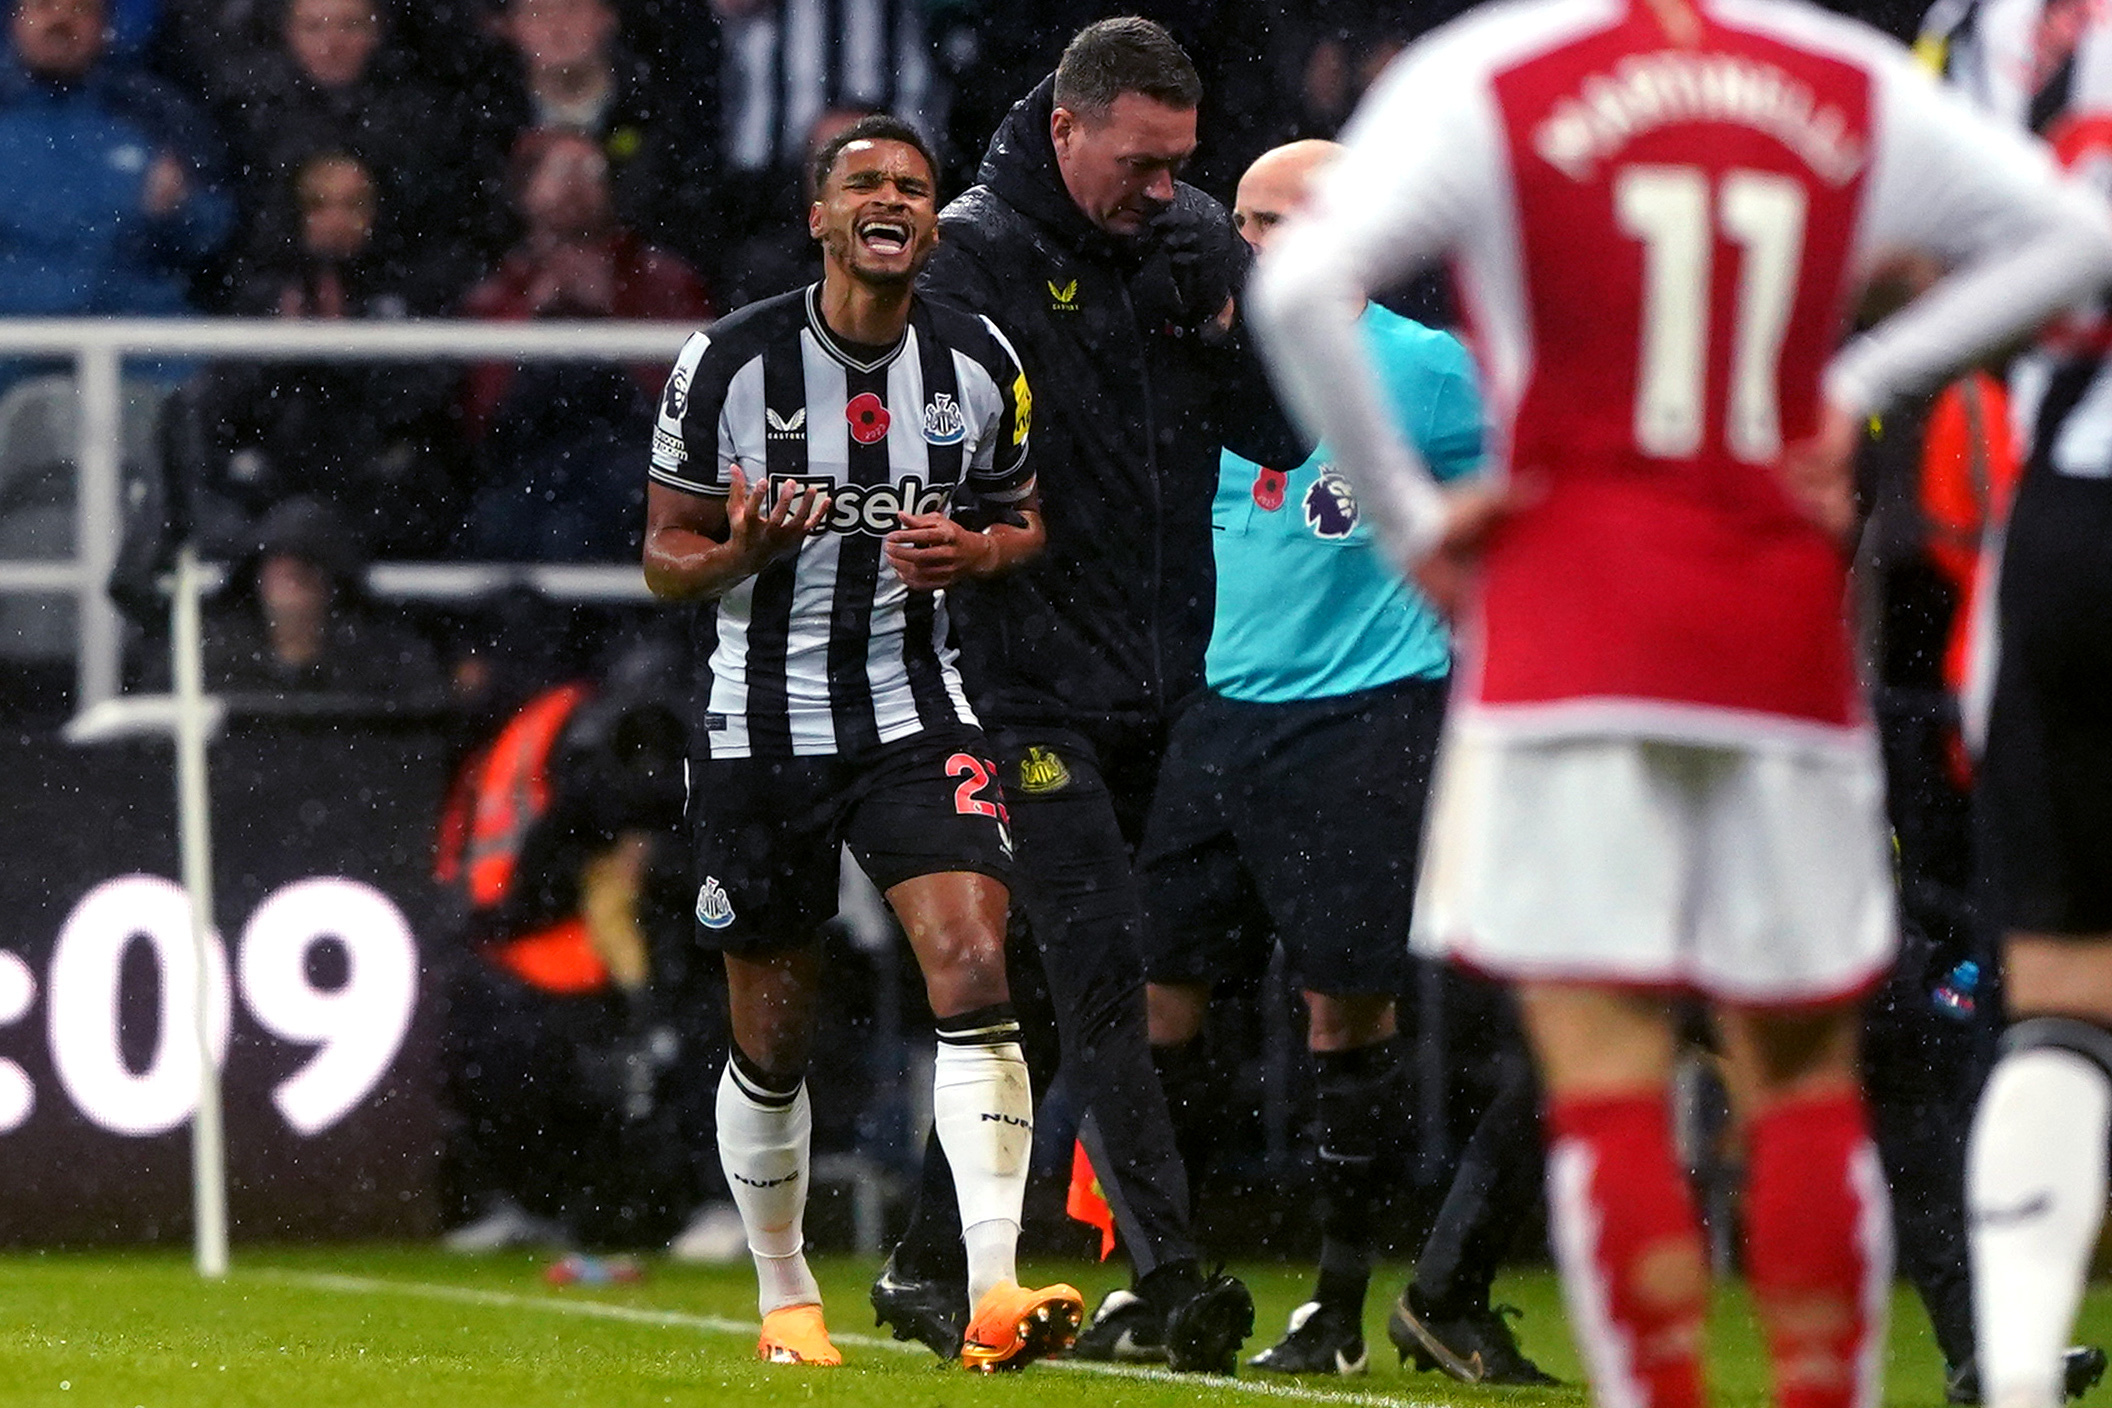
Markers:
2046,782
1296,822
769,832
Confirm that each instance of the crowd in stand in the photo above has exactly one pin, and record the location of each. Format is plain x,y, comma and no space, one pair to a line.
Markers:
513,159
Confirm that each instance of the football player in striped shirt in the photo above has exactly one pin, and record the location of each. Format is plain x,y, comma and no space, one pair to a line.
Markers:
816,464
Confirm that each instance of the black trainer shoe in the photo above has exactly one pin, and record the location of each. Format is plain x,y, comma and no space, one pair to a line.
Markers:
935,1312
2081,1367
1205,1331
1321,1339
1126,1329
1475,1347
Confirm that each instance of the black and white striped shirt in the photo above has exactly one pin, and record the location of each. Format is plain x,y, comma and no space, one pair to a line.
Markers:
787,62
826,651
2028,62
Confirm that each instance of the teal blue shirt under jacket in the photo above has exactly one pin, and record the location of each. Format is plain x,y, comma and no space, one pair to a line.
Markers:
1308,606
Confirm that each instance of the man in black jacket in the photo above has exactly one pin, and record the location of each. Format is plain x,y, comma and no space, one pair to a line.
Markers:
1117,284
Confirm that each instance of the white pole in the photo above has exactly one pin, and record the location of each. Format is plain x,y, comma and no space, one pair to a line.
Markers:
96,531
208,1137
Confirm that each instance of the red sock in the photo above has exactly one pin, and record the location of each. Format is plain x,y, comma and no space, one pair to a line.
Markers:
1819,1249
1630,1247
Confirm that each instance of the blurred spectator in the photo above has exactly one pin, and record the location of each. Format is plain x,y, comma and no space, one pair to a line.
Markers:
561,480
335,258
110,192
562,840
378,440
565,69
295,618
782,255
1329,52
785,62
333,81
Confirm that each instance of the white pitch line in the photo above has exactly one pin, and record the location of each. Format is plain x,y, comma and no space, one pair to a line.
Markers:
719,1325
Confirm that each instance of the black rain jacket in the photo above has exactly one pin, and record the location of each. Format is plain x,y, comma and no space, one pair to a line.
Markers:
1135,392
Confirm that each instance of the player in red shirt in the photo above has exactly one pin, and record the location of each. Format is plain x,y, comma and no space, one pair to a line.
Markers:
1658,775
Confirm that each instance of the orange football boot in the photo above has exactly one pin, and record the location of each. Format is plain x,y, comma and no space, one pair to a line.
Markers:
794,1334
1014,1326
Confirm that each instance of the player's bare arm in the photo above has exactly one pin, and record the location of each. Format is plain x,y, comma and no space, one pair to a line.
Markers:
931,551
700,547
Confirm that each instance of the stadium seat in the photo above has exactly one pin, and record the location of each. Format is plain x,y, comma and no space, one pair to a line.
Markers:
39,430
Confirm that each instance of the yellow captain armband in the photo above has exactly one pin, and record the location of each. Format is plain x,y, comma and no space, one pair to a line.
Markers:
1022,407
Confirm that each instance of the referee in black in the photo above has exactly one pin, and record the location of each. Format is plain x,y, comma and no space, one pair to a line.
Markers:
808,453
1118,283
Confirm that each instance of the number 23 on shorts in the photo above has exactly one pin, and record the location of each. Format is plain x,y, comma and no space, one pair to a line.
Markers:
976,774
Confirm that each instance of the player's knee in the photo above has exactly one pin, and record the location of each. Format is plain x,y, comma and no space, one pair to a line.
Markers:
964,967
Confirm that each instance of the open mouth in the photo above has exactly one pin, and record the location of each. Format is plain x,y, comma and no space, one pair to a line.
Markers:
884,237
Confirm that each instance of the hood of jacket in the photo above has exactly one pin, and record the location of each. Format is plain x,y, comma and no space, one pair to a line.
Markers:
1020,167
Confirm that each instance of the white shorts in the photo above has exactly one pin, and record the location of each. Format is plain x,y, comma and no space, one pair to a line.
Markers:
1757,875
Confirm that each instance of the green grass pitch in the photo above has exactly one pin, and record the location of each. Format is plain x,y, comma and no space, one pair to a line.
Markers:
374,1328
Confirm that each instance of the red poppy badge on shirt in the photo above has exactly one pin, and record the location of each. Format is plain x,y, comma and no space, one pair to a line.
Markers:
1268,488
868,418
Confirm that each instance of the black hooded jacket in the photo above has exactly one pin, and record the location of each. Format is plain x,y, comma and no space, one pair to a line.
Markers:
1135,392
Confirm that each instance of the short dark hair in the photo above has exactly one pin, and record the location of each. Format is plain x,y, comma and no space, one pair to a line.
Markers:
1124,55
880,127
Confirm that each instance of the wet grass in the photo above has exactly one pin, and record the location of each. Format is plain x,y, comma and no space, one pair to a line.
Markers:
373,1328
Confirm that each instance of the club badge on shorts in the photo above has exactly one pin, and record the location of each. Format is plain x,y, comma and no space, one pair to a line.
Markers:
1042,771
714,909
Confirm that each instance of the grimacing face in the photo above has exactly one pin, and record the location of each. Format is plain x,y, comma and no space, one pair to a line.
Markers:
877,214
1119,165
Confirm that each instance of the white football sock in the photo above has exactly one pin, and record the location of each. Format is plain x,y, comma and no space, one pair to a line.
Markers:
983,1110
2035,1196
763,1146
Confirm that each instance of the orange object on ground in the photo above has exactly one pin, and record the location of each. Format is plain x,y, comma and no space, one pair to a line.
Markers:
794,1334
1014,1326
1086,1203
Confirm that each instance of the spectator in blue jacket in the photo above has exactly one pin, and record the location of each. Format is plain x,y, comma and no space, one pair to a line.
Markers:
110,186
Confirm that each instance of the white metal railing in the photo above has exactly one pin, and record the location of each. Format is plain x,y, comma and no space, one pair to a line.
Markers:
98,347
